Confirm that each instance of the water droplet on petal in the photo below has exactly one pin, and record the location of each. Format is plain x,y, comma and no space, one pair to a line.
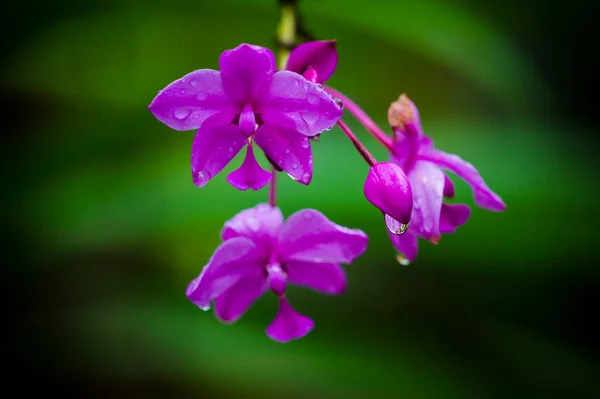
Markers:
295,166
306,178
201,96
297,83
182,113
402,260
312,99
205,307
287,151
310,117
339,103
253,223
310,161
394,226
319,85
194,82
305,143
201,178
182,91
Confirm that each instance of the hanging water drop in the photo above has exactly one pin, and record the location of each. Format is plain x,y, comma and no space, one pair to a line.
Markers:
394,226
205,307
401,259
339,103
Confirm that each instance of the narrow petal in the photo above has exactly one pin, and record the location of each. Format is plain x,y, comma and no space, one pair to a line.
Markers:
247,122
308,236
289,149
215,145
231,261
260,224
453,216
246,72
448,187
328,278
319,55
186,103
295,103
387,188
407,245
427,183
484,196
234,302
250,174
288,323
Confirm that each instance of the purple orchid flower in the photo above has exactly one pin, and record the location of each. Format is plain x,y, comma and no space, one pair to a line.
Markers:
260,251
247,102
316,60
424,165
388,189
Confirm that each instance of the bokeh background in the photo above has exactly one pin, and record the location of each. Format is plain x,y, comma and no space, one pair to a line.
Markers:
104,229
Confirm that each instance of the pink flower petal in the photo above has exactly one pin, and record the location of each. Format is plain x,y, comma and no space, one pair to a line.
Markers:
453,216
288,323
308,236
407,244
328,278
289,149
249,174
427,183
215,145
260,224
187,102
388,189
484,196
320,55
231,261
246,72
234,302
295,103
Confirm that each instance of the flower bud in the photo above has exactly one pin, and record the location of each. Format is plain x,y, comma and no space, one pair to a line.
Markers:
403,117
319,56
387,188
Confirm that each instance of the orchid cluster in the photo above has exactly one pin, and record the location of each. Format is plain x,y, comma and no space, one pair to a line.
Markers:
249,103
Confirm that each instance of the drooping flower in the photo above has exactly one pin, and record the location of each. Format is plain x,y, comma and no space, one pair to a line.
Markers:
247,102
260,252
388,189
424,165
316,60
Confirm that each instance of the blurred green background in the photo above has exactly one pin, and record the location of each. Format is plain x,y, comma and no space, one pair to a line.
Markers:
104,228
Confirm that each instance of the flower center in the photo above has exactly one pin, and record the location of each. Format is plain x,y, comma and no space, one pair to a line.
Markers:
277,278
247,121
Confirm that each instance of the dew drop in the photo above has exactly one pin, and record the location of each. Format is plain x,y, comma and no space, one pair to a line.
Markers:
201,96
253,223
320,86
305,143
182,91
205,307
280,162
201,179
339,103
312,99
310,117
394,226
297,83
310,161
306,178
182,113
401,259
287,151
193,82
295,166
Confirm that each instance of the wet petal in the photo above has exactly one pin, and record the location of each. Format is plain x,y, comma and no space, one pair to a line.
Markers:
408,246
484,196
328,278
234,302
215,145
427,183
288,323
231,261
260,224
246,72
308,236
187,102
453,216
388,189
320,55
249,174
289,149
295,103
